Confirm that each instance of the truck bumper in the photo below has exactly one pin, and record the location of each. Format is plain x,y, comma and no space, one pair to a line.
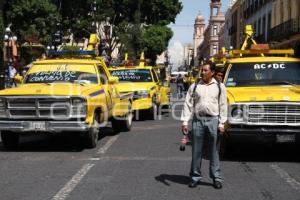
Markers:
264,135
43,126
142,104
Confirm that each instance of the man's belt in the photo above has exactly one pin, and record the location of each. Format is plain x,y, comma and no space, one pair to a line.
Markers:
204,115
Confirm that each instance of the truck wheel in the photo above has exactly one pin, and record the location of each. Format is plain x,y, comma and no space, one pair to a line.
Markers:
225,148
123,123
153,111
10,140
93,133
127,122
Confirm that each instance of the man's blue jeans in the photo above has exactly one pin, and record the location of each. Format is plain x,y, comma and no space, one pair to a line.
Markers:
202,126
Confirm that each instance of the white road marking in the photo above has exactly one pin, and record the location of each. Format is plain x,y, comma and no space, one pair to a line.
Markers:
284,175
141,158
69,187
103,149
94,159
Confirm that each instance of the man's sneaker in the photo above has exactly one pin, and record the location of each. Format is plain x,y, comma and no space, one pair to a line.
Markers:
217,184
193,184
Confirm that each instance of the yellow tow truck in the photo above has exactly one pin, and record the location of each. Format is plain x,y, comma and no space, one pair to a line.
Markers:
263,88
70,91
150,95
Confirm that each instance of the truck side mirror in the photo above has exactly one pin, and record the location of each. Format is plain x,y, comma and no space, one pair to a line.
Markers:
18,78
113,80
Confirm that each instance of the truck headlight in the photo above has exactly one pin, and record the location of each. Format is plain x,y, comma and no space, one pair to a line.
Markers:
141,94
78,106
236,113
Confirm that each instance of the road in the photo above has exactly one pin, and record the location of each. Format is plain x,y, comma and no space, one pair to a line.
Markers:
142,164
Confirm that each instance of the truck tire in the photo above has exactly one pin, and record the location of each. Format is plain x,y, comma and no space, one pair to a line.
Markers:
10,140
153,111
93,133
123,123
225,147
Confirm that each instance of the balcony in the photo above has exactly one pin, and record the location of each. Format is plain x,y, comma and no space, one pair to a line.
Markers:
285,30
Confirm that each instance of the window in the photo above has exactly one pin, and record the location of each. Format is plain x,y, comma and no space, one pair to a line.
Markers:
290,10
154,76
264,26
259,27
269,73
103,75
269,24
215,30
281,12
215,49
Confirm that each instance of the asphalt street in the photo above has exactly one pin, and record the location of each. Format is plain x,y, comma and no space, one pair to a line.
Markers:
144,164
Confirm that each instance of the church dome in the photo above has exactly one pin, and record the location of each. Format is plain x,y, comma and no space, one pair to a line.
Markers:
199,18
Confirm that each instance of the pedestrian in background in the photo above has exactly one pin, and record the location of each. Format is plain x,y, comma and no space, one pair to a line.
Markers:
180,86
219,74
206,105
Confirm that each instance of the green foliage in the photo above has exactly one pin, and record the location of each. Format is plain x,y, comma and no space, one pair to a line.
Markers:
1,26
135,22
138,19
31,52
32,18
71,48
155,41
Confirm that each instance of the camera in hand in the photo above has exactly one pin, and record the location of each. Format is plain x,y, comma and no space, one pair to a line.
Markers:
184,141
182,148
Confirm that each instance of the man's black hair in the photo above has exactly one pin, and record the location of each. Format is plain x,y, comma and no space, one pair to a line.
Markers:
212,66
220,69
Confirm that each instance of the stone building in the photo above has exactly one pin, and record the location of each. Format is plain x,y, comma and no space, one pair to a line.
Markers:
285,28
198,35
258,14
210,43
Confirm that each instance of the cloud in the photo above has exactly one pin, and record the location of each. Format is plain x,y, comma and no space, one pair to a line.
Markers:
176,53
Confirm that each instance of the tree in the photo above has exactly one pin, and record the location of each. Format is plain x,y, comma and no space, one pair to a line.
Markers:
155,41
32,18
131,18
1,45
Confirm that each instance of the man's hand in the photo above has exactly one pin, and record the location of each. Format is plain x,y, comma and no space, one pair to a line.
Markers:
184,129
221,130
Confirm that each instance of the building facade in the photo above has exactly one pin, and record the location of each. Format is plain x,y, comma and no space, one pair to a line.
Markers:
210,44
285,27
258,13
198,36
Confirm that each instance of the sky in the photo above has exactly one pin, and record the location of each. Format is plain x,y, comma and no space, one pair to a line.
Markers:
184,26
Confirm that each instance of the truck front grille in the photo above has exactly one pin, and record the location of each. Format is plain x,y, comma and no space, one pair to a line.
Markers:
38,107
274,114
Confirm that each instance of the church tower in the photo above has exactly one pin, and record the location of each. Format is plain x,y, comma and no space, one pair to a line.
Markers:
215,6
198,36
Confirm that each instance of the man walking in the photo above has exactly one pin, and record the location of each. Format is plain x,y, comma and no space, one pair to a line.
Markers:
206,105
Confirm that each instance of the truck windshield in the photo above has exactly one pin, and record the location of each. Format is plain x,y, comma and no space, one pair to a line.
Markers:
62,73
133,75
258,74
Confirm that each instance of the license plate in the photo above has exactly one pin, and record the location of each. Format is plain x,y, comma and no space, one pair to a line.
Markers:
37,126
285,138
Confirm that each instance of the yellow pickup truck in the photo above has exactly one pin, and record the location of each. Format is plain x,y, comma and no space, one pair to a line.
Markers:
150,94
263,89
68,94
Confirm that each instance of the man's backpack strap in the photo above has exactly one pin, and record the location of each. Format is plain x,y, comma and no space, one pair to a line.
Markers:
219,86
